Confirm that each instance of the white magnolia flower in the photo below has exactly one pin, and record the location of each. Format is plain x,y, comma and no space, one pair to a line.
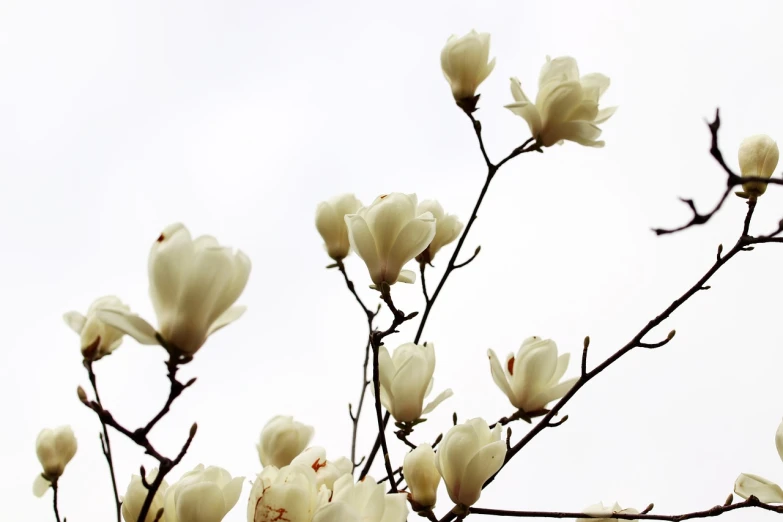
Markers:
531,379
566,107
465,64
364,501
282,439
388,234
330,222
136,494
447,229
421,474
761,488
193,285
406,379
202,495
289,494
326,471
758,158
599,509
55,449
469,454
97,337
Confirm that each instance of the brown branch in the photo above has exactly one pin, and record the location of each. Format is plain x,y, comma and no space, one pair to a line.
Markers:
54,501
752,502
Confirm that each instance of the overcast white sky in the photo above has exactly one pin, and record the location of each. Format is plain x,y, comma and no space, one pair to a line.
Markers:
237,118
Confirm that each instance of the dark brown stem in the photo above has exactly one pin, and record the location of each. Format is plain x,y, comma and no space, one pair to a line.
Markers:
105,442
54,502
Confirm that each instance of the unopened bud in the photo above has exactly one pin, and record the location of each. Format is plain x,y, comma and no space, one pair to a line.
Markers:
82,395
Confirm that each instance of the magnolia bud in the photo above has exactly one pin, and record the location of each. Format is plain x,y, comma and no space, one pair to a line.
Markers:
758,158
55,448
465,66
330,222
282,439
421,474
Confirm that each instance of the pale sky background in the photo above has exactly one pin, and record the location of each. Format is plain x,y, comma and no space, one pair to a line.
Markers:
238,117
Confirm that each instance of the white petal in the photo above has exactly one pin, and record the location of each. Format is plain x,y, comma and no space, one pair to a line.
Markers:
75,321
483,465
406,276
226,318
761,488
395,508
499,376
411,241
604,114
445,394
129,323
779,440
363,243
40,485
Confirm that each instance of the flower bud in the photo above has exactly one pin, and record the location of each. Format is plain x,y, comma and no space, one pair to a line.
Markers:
758,158
465,66
421,475
330,222
282,439
447,229
468,456
55,449
203,495
136,494
97,338
596,510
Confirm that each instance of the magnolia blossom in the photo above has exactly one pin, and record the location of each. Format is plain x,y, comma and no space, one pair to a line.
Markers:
465,65
364,501
193,285
202,495
761,488
330,222
289,494
599,509
468,456
388,234
406,379
447,229
282,439
97,337
135,496
421,474
530,379
326,471
566,107
758,158
55,449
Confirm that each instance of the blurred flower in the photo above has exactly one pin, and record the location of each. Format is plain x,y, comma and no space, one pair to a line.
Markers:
465,65
282,439
531,379
326,471
566,107
288,493
599,509
136,494
761,488
330,222
364,501
421,474
469,454
97,338
388,234
193,285
447,229
55,449
406,379
758,158
202,495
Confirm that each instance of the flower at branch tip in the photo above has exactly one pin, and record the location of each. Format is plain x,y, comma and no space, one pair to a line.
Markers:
531,379
566,107
193,285
326,471
136,494
447,229
406,380
282,439
388,234
330,222
289,493
202,495
55,449
758,158
761,488
465,65
364,501
97,337
599,509
421,474
469,454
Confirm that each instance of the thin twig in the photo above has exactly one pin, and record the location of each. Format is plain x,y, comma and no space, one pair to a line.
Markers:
105,442
54,501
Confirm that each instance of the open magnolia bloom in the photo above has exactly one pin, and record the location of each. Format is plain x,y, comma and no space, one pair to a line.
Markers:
465,64
97,337
202,495
326,471
599,509
282,439
758,158
566,107
530,379
193,285
55,448
447,229
761,488
330,222
289,493
364,501
406,380
388,234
